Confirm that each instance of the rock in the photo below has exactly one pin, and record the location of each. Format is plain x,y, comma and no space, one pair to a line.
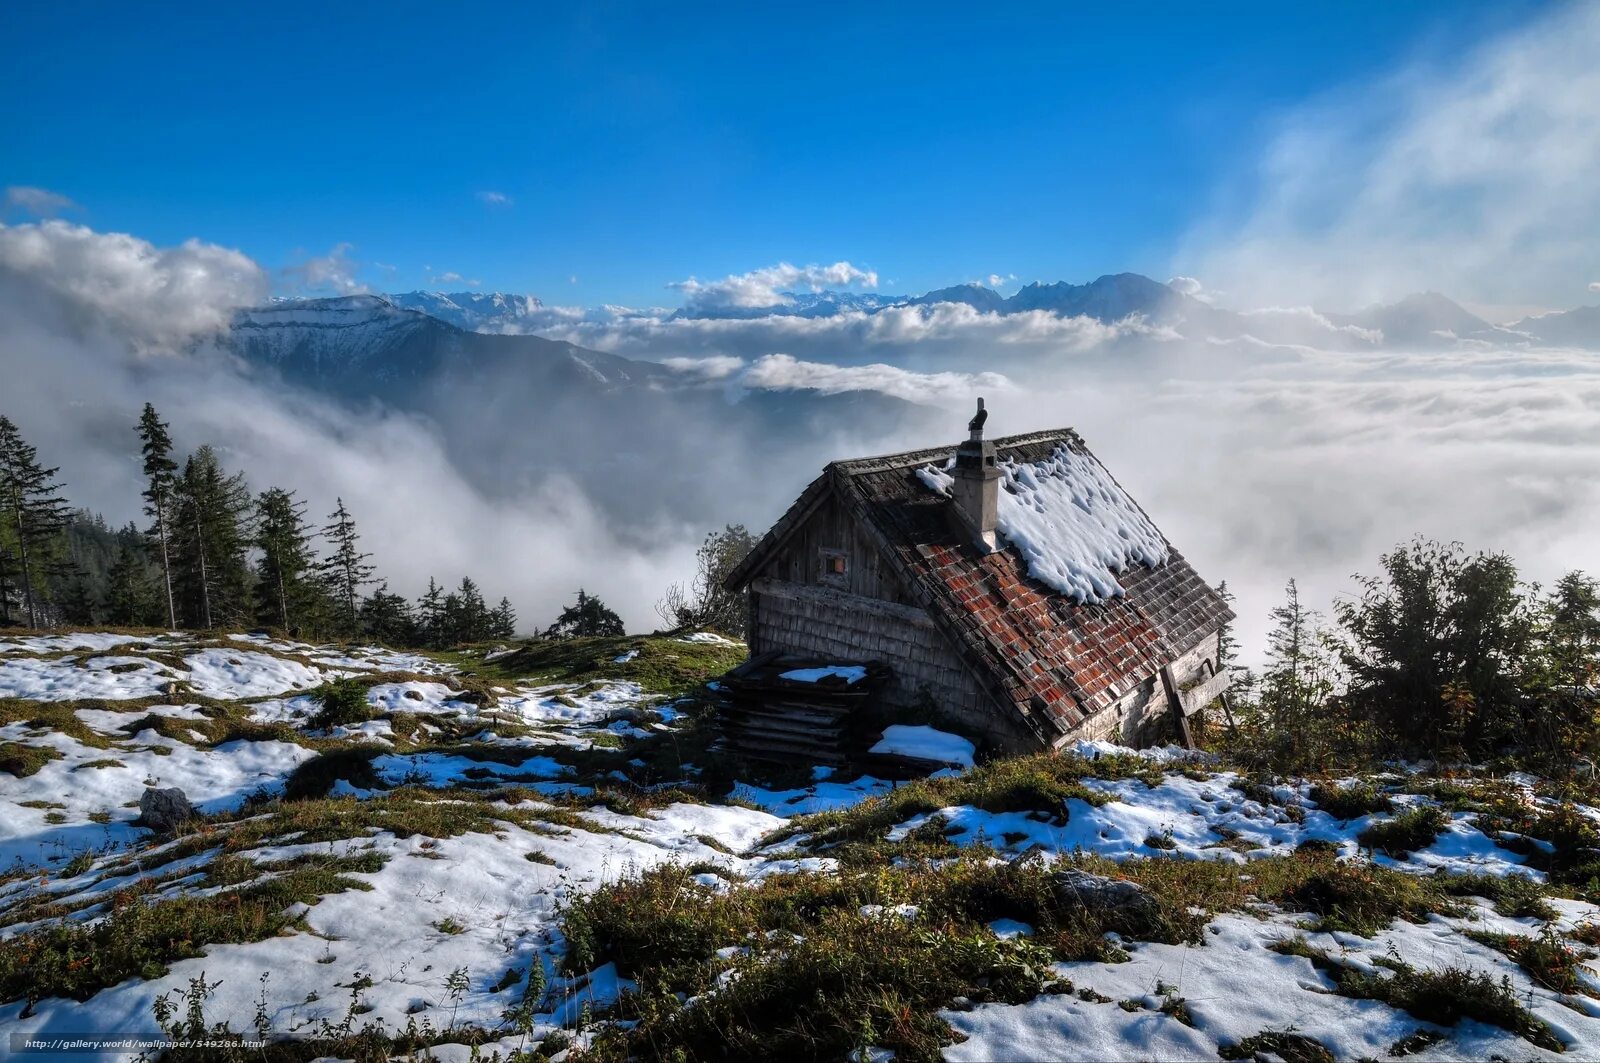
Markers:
163,810
1128,906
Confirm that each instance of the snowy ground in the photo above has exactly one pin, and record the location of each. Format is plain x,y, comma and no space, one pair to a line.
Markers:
229,723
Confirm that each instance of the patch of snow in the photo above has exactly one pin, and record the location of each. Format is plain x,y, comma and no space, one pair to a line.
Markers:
922,742
850,673
246,674
624,658
710,638
62,679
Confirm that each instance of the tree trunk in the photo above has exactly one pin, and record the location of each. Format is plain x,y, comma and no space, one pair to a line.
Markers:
205,580
166,562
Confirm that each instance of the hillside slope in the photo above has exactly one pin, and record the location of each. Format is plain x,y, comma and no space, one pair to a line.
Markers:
515,846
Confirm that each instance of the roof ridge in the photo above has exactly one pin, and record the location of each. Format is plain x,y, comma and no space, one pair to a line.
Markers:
878,463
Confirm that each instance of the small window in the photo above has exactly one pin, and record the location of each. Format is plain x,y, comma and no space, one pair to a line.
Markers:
835,566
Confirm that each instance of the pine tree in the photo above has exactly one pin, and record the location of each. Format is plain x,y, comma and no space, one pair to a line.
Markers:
210,543
1297,682
430,615
588,617
503,621
161,474
472,623
128,591
32,517
285,595
387,618
345,570
79,605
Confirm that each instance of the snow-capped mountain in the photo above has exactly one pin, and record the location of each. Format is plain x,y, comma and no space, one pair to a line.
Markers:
1579,327
474,311
1426,319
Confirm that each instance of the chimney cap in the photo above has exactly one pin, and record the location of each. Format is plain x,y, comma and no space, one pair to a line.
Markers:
975,426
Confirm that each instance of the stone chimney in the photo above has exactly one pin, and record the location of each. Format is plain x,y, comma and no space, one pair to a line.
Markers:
977,485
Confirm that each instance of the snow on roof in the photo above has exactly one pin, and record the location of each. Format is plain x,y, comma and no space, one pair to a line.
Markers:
1075,526
850,673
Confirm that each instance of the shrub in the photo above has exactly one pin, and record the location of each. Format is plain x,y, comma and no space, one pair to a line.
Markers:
1289,1047
341,702
316,777
1351,802
1363,898
1413,829
1513,895
1447,996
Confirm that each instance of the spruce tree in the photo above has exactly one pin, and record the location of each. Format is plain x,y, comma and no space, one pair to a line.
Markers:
161,475
473,618
210,543
430,615
503,621
589,616
32,517
387,618
345,570
285,595
128,591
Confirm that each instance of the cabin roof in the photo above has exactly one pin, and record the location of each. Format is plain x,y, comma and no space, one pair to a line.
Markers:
1056,660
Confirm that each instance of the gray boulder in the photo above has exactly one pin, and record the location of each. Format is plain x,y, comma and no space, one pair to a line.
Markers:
163,810
1127,906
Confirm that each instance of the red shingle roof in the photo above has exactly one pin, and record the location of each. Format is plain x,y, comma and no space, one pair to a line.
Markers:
1055,660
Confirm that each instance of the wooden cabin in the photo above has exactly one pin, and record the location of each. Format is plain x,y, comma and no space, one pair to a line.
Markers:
1010,585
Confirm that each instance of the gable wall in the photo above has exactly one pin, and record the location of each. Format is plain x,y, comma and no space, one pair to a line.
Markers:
868,615
830,527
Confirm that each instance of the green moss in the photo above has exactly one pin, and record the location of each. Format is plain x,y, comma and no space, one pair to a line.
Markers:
21,760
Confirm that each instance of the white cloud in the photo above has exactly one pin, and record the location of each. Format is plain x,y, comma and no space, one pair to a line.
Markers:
716,367
154,299
1473,176
1594,286
765,287
335,272
783,372
452,277
495,199
40,202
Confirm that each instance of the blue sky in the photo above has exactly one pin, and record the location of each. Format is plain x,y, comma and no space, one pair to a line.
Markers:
637,145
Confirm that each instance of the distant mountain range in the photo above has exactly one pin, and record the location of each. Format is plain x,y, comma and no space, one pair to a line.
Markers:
516,410
1426,320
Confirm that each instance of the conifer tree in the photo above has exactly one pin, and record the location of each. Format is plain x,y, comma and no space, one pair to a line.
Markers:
78,605
128,591
503,621
161,474
210,543
345,569
472,624
285,595
430,615
32,517
589,616
387,618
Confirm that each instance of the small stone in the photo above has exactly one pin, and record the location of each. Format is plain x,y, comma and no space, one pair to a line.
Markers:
164,810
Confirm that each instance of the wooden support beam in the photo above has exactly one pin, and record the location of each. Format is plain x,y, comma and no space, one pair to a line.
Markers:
1175,704
1205,692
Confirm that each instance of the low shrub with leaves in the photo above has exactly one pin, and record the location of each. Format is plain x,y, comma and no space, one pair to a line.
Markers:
1413,829
341,702
1351,801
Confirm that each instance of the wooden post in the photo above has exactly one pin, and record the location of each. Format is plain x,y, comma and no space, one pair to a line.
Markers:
1175,703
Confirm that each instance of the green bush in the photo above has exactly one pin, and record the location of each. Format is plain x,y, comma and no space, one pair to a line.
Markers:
1413,829
1350,802
341,702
